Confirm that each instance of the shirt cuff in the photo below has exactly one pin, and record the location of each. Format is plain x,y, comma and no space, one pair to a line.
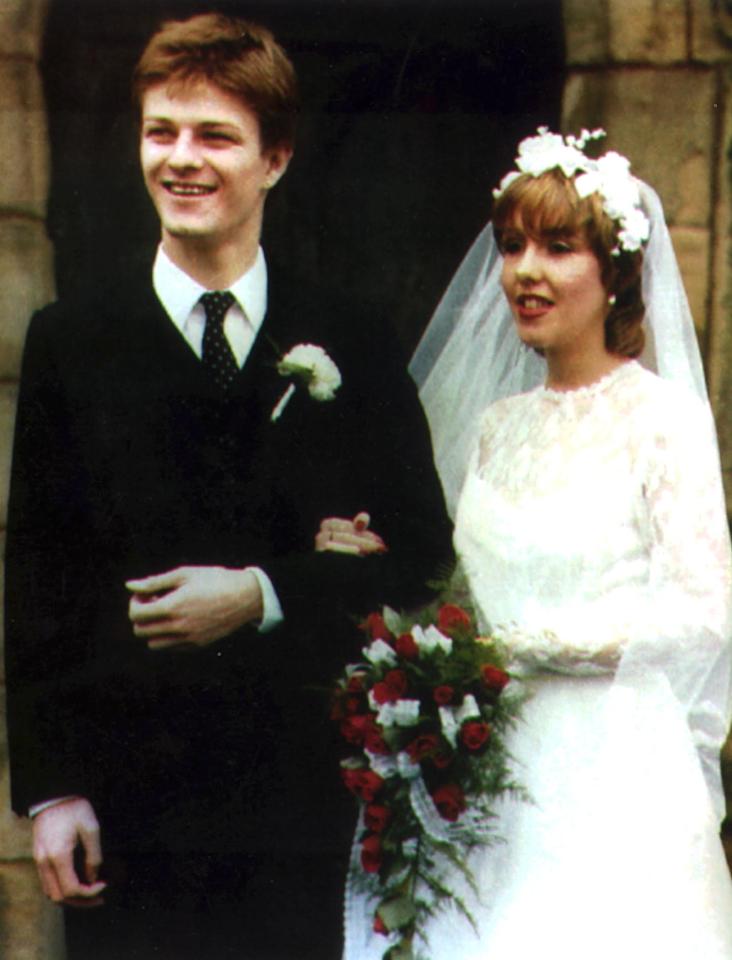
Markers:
272,614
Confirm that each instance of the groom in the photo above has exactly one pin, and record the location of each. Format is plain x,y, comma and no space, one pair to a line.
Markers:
170,624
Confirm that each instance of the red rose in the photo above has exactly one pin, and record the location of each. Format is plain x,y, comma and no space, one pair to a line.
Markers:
354,704
380,926
443,695
376,627
494,678
365,784
397,681
391,688
350,778
422,746
442,760
371,853
450,801
376,817
406,646
374,741
383,693
451,617
369,784
355,683
474,734
354,728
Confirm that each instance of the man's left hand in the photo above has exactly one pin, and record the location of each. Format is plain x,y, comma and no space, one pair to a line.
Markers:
193,605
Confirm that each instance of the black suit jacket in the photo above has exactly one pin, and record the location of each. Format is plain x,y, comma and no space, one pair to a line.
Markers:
129,462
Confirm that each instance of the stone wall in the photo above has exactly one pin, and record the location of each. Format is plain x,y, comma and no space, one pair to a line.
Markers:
28,926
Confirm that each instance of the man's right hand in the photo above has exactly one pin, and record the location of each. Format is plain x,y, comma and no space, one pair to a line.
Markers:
57,832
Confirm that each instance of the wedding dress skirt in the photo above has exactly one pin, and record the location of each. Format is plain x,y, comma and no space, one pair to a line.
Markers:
593,533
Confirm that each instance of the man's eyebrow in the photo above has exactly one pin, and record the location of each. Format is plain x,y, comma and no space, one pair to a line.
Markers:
217,123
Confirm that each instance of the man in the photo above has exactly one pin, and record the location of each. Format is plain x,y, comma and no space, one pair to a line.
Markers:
170,623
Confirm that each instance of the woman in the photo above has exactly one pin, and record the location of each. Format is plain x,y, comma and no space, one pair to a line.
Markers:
591,525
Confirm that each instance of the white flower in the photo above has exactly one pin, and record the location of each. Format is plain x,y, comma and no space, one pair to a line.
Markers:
469,708
407,768
549,150
385,766
449,724
316,368
452,718
403,713
609,176
380,652
431,639
635,231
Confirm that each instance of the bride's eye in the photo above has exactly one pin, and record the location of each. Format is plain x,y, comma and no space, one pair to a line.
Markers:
511,244
560,247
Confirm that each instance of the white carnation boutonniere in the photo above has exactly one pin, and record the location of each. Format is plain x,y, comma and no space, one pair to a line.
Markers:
314,368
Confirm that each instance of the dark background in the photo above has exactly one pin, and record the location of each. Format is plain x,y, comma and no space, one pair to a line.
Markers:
411,114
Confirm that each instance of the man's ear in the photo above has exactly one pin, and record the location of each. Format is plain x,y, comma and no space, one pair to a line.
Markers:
278,159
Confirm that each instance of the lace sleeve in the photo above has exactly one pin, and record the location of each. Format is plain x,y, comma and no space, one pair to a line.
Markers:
684,638
687,527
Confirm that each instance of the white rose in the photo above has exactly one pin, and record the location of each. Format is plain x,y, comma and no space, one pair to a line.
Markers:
431,639
380,652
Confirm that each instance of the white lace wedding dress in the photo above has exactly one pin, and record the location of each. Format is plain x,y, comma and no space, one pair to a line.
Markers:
593,532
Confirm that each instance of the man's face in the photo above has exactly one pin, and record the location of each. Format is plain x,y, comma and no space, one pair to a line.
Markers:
203,164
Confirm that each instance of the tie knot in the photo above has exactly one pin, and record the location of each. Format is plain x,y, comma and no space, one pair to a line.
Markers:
216,304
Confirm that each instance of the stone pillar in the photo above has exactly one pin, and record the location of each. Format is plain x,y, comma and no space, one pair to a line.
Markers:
657,75
29,928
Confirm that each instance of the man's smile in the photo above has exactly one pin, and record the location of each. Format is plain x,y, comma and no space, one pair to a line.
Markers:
179,189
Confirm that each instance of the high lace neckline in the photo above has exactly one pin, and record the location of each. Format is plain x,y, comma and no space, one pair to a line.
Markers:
591,389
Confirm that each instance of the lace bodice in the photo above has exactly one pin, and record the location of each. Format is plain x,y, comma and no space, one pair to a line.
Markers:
593,516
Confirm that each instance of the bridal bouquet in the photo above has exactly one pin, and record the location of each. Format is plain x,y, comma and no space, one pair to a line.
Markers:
423,717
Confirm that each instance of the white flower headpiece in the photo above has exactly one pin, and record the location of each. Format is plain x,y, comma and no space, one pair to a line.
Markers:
609,176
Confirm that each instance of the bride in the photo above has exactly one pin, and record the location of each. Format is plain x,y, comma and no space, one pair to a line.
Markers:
576,447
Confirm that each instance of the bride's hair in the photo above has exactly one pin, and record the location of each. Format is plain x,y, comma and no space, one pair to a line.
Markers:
549,205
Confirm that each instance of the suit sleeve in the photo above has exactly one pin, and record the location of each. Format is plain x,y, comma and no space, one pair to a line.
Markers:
380,452
42,648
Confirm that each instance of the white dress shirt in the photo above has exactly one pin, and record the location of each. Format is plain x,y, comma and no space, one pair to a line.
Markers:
181,295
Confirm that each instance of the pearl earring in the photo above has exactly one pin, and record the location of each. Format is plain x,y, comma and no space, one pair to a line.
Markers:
612,299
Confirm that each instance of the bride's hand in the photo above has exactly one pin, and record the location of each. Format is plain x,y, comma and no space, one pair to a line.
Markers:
339,535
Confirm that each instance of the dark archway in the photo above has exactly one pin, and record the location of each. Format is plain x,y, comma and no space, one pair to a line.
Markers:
412,109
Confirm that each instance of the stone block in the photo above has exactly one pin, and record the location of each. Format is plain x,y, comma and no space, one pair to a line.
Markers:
586,32
625,31
26,266
647,31
15,833
30,927
719,363
692,251
8,398
710,31
24,153
664,121
21,27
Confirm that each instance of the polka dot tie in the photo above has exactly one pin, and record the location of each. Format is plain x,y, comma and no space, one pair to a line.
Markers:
217,355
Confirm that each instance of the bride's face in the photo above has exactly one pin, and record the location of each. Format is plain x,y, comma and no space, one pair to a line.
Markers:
555,290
